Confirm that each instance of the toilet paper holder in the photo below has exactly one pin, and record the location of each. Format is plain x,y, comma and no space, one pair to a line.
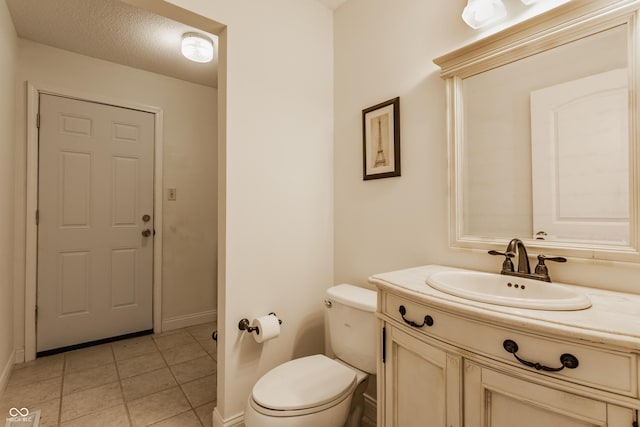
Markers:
245,325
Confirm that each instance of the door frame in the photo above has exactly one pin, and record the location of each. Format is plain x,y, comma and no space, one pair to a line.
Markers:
31,255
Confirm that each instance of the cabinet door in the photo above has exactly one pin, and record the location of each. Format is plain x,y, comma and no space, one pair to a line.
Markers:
493,399
422,383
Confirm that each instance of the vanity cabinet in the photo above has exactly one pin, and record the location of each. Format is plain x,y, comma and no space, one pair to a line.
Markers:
448,362
424,382
496,399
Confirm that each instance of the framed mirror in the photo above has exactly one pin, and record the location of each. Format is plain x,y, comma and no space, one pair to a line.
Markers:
543,134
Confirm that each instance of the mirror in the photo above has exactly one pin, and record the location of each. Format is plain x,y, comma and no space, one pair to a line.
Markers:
541,133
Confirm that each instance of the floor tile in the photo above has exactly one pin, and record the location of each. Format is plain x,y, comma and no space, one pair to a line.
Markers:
136,347
157,407
27,395
49,411
146,384
201,391
187,419
180,339
89,378
111,417
87,358
139,365
205,413
202,332
89,401
37,370
175,355
134,381
210,347
194,369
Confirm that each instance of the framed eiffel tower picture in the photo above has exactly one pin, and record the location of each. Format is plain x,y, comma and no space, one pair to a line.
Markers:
381,140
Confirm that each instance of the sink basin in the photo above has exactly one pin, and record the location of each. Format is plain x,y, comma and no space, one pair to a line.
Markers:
508,291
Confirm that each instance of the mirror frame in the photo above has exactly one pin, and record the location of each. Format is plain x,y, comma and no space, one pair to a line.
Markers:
564,24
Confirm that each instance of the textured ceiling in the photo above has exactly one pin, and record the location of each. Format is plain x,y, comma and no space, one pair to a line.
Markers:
112,31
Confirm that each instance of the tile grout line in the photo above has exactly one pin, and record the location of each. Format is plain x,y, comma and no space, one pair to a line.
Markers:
64,367
124,403
177,382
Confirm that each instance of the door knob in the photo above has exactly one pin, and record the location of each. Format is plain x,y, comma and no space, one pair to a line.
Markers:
146,217
146,232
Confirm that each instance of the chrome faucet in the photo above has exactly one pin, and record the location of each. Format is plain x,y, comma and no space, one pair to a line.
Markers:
516,247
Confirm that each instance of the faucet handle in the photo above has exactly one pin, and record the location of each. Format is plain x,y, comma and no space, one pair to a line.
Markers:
543,258
542,269
507,265
507,254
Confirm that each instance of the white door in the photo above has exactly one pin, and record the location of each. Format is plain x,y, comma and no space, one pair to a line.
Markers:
95,232
580,167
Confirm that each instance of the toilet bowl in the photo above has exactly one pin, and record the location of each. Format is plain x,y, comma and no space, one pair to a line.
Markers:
317,391
313,391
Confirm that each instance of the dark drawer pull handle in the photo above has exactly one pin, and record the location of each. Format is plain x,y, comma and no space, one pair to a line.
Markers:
568,361
428,320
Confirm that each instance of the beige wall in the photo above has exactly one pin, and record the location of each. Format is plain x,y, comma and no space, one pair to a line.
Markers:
278,211
393,223
8,51
190,158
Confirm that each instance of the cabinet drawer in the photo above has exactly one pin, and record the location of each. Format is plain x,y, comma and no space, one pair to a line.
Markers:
607,370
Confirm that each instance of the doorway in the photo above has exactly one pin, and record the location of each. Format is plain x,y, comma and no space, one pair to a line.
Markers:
95,222
153,243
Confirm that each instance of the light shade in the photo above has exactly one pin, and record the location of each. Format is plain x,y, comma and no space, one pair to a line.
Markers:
479,13
197,47
528,2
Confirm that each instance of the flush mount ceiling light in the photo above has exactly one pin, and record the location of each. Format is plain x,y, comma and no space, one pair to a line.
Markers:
528,2
197,47
479,13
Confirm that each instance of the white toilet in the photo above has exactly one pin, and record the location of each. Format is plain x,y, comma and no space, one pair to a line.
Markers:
316,391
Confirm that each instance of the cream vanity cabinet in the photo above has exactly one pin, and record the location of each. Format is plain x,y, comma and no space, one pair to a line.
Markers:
444,362
423,381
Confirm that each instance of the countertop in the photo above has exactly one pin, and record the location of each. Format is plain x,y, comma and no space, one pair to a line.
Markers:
613,318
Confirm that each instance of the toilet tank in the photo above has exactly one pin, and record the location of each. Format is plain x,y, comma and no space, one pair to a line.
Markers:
352,325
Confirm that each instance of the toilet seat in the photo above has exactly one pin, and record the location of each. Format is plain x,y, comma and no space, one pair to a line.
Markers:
302,386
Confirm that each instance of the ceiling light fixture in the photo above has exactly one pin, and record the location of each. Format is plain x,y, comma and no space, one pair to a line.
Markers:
197,47
528,2
479,13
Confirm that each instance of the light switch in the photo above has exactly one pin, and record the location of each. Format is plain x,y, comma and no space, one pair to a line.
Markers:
171,194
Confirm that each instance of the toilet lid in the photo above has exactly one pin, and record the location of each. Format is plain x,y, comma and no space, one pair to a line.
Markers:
303,383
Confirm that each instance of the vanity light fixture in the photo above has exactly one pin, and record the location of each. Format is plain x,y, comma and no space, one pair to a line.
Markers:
197,47
478,13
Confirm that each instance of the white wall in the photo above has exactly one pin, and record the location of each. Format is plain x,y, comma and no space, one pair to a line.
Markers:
190,158
383,50
8,51
277,220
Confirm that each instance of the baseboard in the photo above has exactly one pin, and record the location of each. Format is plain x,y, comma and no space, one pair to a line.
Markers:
235,421
19,356
6,372
188,320
370,408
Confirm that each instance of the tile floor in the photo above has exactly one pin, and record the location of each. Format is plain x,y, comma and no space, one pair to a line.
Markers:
166,379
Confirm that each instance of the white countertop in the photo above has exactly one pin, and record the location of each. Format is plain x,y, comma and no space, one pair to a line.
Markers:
613,318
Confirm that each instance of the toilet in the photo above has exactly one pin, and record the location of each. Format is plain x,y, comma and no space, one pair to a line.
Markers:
317,391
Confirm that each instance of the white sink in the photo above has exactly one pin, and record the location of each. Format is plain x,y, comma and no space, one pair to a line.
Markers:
508,291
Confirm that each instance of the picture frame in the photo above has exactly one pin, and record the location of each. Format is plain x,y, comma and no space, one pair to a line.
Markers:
381,140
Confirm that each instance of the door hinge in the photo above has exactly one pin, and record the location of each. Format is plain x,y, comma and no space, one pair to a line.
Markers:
384,344
36,311
38,120
37,216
